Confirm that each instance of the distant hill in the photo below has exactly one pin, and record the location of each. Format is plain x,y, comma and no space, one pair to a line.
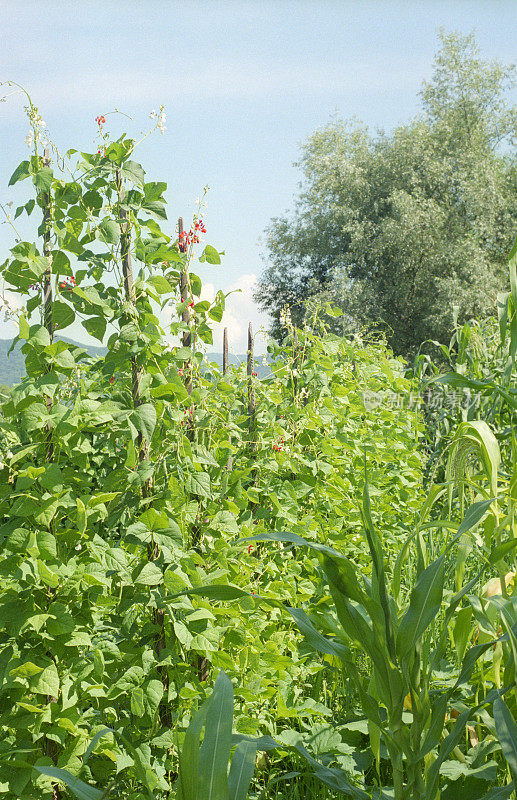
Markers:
262,370
12,366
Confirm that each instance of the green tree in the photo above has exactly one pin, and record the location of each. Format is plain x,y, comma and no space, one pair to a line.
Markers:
397,229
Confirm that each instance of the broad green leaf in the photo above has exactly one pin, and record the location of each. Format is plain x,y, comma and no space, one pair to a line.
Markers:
154,190
62,315
189,757
95,326
143,420
160,283
26,670
134,171
103,497
214,753
506,730
241,770
198,483
149,575
46,542
217,592
424,605
21,172
137,702
46,682
210,255
78,788
47,576
315,639
109,230
43,179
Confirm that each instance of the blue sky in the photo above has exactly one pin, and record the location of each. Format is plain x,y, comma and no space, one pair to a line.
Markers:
243,83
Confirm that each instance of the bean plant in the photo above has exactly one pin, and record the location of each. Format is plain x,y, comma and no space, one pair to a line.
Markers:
136,488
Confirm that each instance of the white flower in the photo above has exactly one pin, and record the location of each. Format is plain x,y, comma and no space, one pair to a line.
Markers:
162,116
41,123
29,139
152,114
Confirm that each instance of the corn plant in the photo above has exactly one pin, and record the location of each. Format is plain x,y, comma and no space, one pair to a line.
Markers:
203,765
405,644
206,770
480,368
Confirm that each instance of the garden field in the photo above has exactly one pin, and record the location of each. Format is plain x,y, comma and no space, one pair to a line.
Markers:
218,586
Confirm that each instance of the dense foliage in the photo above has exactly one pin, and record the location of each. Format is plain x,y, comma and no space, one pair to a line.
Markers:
399,228
141,492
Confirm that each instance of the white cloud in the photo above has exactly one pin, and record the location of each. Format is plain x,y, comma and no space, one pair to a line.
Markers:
240,310
221,78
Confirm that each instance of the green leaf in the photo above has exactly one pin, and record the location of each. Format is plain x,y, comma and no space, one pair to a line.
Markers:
214,753
333,778
21,172
109,230
217,592
160,283
424,605
143,420
78,788
155,207
46,542
506,730
189,757
43,179
96,327
474,513
241,770
62,315
48,577
102,497
216,313
198,483
210,255
154,190
461,631
315,639
47,682
137,702
134,172
26,670
149,575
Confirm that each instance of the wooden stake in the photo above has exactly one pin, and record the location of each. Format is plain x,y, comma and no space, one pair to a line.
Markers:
226,367
186,339
129,290
225,351
47,277
252,406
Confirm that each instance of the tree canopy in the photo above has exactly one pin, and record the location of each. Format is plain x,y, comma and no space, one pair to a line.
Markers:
404,230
